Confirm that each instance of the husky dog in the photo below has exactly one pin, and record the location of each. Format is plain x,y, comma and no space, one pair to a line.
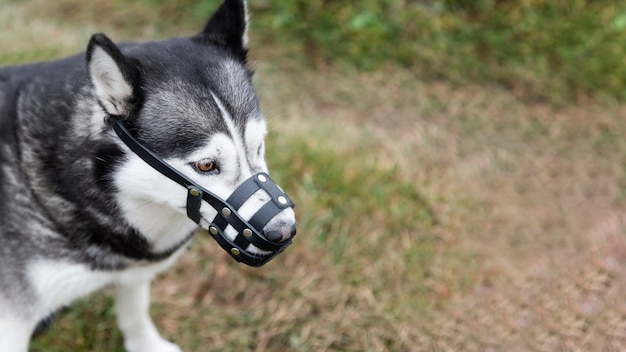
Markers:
93,154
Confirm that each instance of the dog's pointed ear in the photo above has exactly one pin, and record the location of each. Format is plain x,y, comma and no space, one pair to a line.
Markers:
228,28
115,77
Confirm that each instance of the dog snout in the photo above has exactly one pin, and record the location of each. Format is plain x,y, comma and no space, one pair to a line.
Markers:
280,232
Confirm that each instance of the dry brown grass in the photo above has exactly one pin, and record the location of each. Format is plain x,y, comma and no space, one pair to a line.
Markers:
531,208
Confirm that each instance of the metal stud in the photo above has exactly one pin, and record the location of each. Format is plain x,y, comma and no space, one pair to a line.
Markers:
226,212
282,200
262,178
235,251
247,233
213,230
194,192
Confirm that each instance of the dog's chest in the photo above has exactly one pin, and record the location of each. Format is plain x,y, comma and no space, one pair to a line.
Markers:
59,283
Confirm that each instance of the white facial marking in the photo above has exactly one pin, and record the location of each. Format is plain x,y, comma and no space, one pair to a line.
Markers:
256,130
239,146
156,205
153,203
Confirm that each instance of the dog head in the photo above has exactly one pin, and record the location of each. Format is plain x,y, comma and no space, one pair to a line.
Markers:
192,103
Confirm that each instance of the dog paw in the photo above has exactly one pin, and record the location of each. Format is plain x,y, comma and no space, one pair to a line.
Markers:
159,345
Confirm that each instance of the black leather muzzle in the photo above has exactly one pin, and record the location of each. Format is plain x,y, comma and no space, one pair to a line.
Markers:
249,232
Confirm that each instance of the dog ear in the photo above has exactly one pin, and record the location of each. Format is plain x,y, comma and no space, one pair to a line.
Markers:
228,28
115,77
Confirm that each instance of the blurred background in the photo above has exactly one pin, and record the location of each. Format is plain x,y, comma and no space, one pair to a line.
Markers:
458,168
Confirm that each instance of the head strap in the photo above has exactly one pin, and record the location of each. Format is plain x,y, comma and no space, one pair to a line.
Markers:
248,232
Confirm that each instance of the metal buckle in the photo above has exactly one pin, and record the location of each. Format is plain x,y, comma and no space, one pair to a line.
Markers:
248,232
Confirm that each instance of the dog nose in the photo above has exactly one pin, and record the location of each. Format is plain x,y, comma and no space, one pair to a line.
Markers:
280,233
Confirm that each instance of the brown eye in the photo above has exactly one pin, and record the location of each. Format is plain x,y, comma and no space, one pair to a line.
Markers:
205,165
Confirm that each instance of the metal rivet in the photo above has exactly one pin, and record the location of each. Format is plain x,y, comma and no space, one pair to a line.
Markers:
262,178
194,192
247,233
282,200
235,251
213,230
226,212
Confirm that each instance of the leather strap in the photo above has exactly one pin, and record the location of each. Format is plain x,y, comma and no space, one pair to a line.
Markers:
248,232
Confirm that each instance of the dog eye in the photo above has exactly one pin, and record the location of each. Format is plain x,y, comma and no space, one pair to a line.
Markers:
205,165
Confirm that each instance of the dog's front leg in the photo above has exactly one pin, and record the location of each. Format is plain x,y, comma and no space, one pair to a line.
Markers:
14,333
133,318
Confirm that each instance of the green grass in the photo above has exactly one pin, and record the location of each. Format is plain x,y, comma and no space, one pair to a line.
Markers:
543,50
92,328
559,51
355,210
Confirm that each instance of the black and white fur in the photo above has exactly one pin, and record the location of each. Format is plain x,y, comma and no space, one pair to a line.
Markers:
79,210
